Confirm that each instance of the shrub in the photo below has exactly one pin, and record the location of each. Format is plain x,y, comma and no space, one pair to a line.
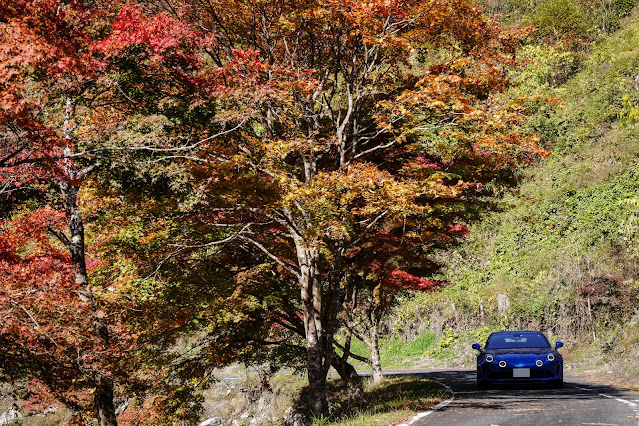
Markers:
556,18
547,67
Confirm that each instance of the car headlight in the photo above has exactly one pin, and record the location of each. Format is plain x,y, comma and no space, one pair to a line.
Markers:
550,357
489,358
502,364
539,363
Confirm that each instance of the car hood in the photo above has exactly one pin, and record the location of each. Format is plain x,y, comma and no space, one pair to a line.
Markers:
520,351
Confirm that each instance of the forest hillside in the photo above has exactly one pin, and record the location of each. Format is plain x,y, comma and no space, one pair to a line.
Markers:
559,254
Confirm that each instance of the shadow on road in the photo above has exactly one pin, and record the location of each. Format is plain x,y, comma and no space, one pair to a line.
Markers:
463,384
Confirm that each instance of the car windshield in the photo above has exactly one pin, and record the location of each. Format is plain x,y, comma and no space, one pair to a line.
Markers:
517,340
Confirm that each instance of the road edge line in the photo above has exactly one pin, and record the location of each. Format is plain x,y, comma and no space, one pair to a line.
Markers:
439,406
630,403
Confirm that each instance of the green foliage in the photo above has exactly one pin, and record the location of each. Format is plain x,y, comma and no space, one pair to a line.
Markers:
629,227
629,112
396,350
480,334
562,250
442,354
607,14
448,338
548,67
357,347
624,7
321,421
558,17
565,22
420,344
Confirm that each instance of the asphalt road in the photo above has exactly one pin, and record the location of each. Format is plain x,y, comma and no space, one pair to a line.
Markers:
579,403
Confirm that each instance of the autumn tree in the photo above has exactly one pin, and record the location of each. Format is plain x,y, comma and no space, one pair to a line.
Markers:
354,118
44,68
63,113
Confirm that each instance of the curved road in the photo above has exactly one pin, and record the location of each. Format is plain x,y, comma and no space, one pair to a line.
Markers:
579,403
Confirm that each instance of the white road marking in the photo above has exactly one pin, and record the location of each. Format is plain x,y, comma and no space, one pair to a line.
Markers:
435,408
632,404
624,401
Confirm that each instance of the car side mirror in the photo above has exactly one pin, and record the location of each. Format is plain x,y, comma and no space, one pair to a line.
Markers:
558,345
476,346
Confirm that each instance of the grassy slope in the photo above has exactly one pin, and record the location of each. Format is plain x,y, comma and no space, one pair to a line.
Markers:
563,249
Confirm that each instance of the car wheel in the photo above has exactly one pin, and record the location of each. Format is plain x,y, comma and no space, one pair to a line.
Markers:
482,384
558,384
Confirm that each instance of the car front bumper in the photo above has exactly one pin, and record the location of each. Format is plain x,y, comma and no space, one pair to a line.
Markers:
493,373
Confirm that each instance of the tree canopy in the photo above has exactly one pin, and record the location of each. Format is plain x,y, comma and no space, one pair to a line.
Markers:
247,171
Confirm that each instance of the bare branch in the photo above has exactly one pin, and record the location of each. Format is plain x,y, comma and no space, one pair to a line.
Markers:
272,256
352,355
157,149
3,161
376,148
36,325
368,228
290,327
215,243
60,236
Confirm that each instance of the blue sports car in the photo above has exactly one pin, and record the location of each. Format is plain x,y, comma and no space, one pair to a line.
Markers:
519,356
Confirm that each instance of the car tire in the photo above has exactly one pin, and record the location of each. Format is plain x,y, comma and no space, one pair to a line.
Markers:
482,385
558,384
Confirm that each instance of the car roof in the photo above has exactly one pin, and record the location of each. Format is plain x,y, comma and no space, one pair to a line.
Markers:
517,332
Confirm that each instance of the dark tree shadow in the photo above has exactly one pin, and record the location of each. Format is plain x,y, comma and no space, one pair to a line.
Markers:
397,392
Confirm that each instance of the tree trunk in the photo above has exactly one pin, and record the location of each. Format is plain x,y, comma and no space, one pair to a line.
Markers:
354,382
103,402
375,317
320,310
376,363
317,384
103,399
69,188
312,309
